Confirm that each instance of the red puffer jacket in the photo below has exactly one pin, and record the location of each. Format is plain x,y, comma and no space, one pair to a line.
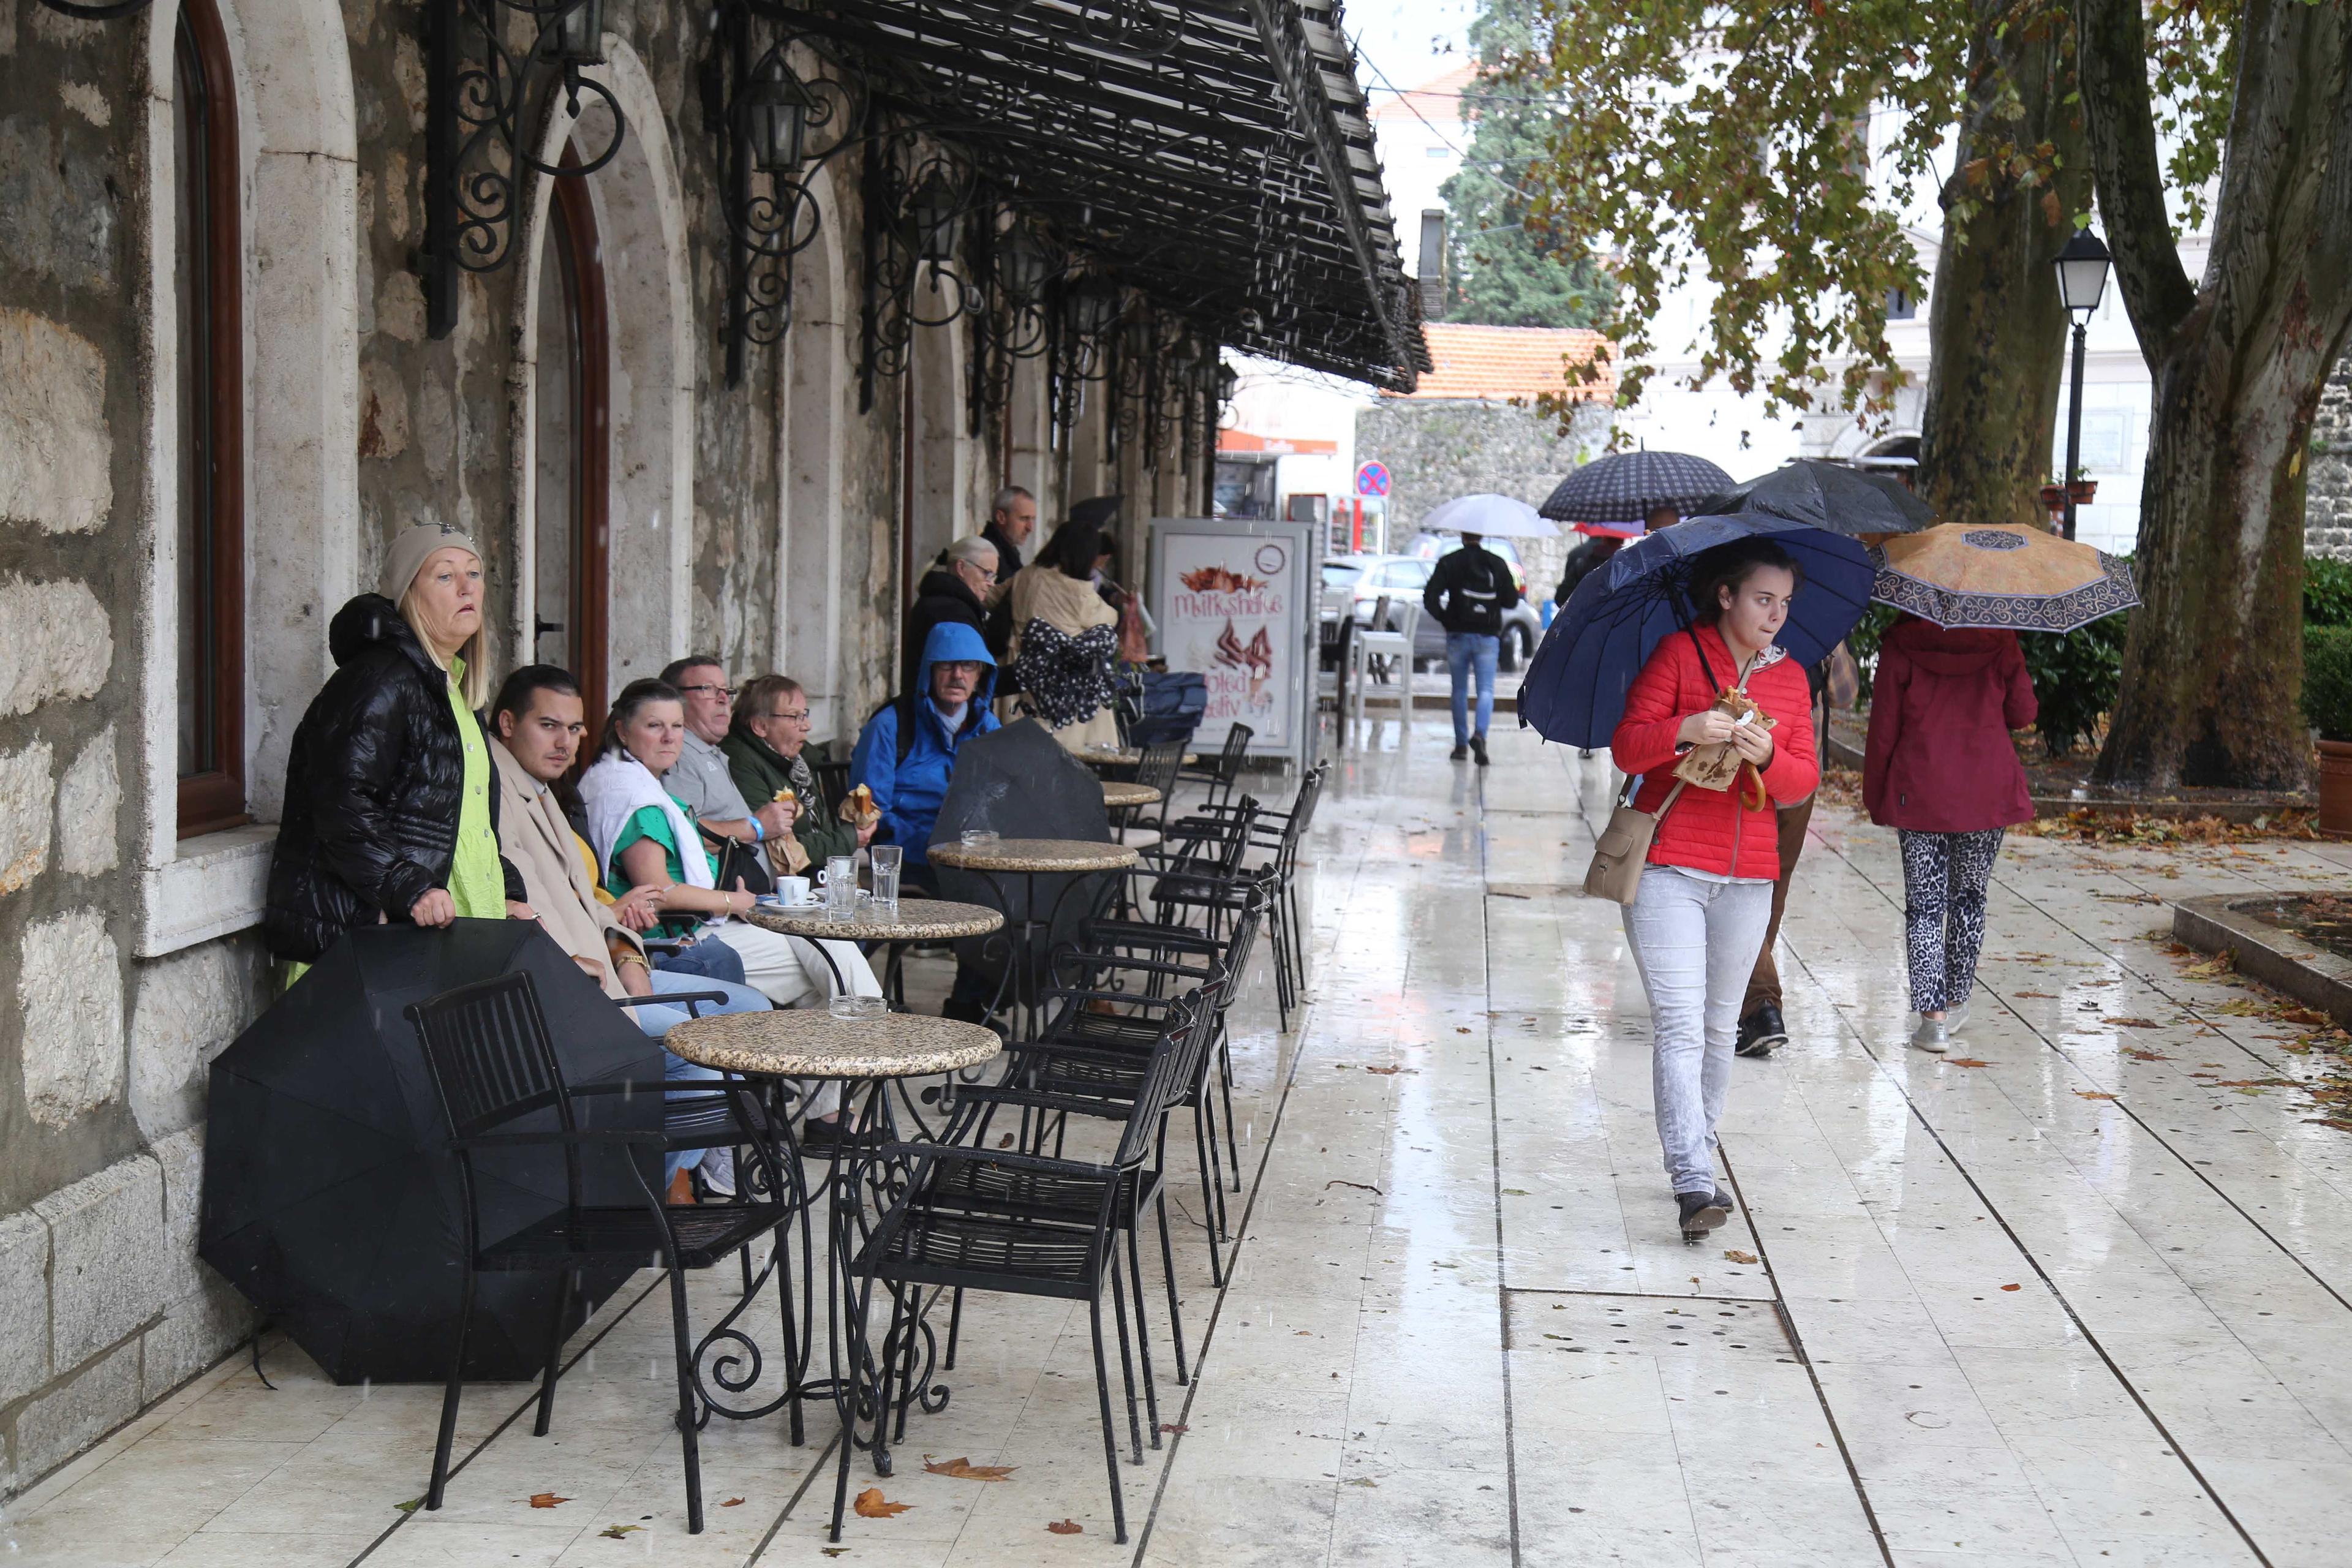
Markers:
1939,759
1709,830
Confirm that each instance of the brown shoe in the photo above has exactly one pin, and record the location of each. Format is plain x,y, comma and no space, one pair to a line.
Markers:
681,1187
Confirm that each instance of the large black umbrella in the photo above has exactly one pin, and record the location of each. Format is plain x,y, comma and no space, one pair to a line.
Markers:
1023,784
1828,496
329,1200
1626,487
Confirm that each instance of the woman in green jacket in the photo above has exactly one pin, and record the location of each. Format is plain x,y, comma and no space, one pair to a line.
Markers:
764,748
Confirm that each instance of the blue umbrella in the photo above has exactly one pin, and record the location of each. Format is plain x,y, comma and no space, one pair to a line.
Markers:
1575,689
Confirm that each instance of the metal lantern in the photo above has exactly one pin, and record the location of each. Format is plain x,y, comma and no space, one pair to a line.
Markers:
1023,264
933,209
1228,378
2081,272
775,118
1096,306
579,34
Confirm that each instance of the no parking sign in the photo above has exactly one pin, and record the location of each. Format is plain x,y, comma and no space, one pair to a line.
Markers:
1373,480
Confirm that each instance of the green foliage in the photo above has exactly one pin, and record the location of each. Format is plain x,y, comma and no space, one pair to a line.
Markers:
2328,680
1863,642
2327,592
2075,679
1502,271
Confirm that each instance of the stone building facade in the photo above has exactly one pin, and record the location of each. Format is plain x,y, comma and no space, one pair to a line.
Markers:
210,297
2327,488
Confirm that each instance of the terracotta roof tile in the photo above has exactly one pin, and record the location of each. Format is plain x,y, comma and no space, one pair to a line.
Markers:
1511,361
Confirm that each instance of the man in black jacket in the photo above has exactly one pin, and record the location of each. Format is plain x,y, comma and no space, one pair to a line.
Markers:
1468,594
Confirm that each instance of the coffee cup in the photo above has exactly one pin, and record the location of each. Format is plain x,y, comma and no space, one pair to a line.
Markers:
792,891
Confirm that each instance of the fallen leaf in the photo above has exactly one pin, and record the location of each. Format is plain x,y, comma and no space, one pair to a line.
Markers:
2141,1054
1737,1256
965,1470
1006,1142
732,1502
2012,1287
2135,1023
872,1504
2092,1094
1173,1426
834,1551
2256,1083
1967,1062
1066,1527
411,1506
1463,1030
618,1531
2035,996
1362,1481
2303,1015
548,1500
1384,1072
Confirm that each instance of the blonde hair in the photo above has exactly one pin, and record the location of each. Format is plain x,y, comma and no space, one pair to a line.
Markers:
475,687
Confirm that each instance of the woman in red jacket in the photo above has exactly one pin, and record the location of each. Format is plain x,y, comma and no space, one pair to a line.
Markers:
1939,768
1707,893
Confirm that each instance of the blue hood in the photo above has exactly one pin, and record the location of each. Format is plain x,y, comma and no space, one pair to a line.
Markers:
951,641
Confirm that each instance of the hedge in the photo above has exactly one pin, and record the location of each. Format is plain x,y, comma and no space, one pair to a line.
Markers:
2328,680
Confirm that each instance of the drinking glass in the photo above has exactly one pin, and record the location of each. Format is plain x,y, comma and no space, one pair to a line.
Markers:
858,1008
886,860
841,888
977,838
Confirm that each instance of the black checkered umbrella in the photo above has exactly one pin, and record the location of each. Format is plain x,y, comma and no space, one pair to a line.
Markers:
1625,486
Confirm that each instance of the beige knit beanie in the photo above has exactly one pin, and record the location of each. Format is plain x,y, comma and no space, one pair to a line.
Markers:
409,549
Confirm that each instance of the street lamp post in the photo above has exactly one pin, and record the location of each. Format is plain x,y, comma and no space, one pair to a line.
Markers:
2082,279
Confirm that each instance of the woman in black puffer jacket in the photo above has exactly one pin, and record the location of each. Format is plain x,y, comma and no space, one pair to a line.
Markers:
390,810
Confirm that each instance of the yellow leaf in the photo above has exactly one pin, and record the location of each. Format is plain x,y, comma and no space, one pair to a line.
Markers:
872,1504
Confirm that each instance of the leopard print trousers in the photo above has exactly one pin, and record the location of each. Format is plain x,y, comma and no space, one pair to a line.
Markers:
1944,878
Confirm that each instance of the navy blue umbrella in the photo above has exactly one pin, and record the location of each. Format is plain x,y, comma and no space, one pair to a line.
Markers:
1575,689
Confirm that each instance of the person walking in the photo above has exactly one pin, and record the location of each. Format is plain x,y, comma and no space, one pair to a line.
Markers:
1706,894
390,810
1939,768
1469,591
1583,562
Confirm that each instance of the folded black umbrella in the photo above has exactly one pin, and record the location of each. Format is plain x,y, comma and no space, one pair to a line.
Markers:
1827,496
329,1200
1626,487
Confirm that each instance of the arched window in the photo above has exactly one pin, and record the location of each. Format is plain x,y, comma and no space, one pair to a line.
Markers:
211,544
571,531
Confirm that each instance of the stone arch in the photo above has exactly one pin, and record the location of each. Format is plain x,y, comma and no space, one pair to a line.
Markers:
810,586
641,228
939,478
299,229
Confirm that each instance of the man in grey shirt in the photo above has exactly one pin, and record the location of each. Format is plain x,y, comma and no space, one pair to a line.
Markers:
700,781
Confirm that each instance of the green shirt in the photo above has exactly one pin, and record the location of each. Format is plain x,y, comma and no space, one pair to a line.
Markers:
651,824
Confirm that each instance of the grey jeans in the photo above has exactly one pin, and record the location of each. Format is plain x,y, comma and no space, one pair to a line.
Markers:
1695,944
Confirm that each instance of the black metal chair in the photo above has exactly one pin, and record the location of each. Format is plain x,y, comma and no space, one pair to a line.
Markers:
1157,770
976,1218
486,1047
1220,774
1277,834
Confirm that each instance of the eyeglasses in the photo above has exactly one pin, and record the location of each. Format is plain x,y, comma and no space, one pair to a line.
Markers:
706,686
984,574
797,715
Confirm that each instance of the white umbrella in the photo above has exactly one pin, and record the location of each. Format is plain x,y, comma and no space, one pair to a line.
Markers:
1490,517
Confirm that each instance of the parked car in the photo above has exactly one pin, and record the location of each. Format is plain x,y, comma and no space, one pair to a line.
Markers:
1355,584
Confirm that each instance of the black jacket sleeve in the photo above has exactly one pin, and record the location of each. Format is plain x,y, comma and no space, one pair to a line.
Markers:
1441,583
368,739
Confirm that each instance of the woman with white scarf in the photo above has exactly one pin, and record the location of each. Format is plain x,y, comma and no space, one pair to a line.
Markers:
643,837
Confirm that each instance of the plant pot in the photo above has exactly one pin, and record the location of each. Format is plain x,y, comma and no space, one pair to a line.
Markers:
2055,497
2336,788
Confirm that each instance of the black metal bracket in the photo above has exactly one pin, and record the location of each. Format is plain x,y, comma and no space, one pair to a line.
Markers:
774,129
97,13
918,269
483,98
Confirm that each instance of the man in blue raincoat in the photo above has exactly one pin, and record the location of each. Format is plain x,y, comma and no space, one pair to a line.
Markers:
907,753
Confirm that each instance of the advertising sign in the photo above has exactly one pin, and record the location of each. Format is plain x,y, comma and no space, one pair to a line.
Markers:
1231,604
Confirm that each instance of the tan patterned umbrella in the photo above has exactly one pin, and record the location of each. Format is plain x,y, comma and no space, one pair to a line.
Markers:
2003,575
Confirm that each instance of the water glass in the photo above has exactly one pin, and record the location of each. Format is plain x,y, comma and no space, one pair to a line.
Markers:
886,859
979,839
857,1009
841,888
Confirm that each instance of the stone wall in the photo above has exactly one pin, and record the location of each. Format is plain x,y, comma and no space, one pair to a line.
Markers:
1436,449
2327,490
760,520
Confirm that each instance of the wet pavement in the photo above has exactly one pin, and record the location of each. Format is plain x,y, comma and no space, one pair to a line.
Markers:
2075,1294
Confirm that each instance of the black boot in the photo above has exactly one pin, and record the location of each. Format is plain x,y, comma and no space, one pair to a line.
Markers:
1461,753
1478,750
1761,1032
1701,1212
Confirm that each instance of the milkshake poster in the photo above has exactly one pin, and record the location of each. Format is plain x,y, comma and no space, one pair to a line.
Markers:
1229,605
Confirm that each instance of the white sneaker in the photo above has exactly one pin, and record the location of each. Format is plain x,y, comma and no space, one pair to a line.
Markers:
1956,1019
1932,1036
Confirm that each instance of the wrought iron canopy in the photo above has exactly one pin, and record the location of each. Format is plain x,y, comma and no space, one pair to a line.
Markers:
1214,154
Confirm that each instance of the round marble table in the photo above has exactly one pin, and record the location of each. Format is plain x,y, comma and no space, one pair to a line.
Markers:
1119,794
1123,759
918,919
865,1054
1032,856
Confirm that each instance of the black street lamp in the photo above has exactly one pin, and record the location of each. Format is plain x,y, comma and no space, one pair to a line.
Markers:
2082,279
776,112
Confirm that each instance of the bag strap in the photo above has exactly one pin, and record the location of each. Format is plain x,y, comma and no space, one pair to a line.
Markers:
1668,804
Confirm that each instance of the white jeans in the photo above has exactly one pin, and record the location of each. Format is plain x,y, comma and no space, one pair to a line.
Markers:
790,971
1695,944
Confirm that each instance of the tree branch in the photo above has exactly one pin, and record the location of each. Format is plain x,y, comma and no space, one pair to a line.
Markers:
2110,59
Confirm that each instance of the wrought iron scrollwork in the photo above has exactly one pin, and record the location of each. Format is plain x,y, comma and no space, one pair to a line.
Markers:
918,268
776,129
119,9
482,100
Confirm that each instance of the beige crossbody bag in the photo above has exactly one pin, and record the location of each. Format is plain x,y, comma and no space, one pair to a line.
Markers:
1625,848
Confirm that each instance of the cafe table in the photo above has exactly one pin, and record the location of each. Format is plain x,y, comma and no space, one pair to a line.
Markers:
866,1057
1030,859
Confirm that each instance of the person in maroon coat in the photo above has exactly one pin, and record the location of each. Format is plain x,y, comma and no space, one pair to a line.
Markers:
1939,768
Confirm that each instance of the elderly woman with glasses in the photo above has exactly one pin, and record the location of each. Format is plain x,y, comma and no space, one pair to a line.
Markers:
764,752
